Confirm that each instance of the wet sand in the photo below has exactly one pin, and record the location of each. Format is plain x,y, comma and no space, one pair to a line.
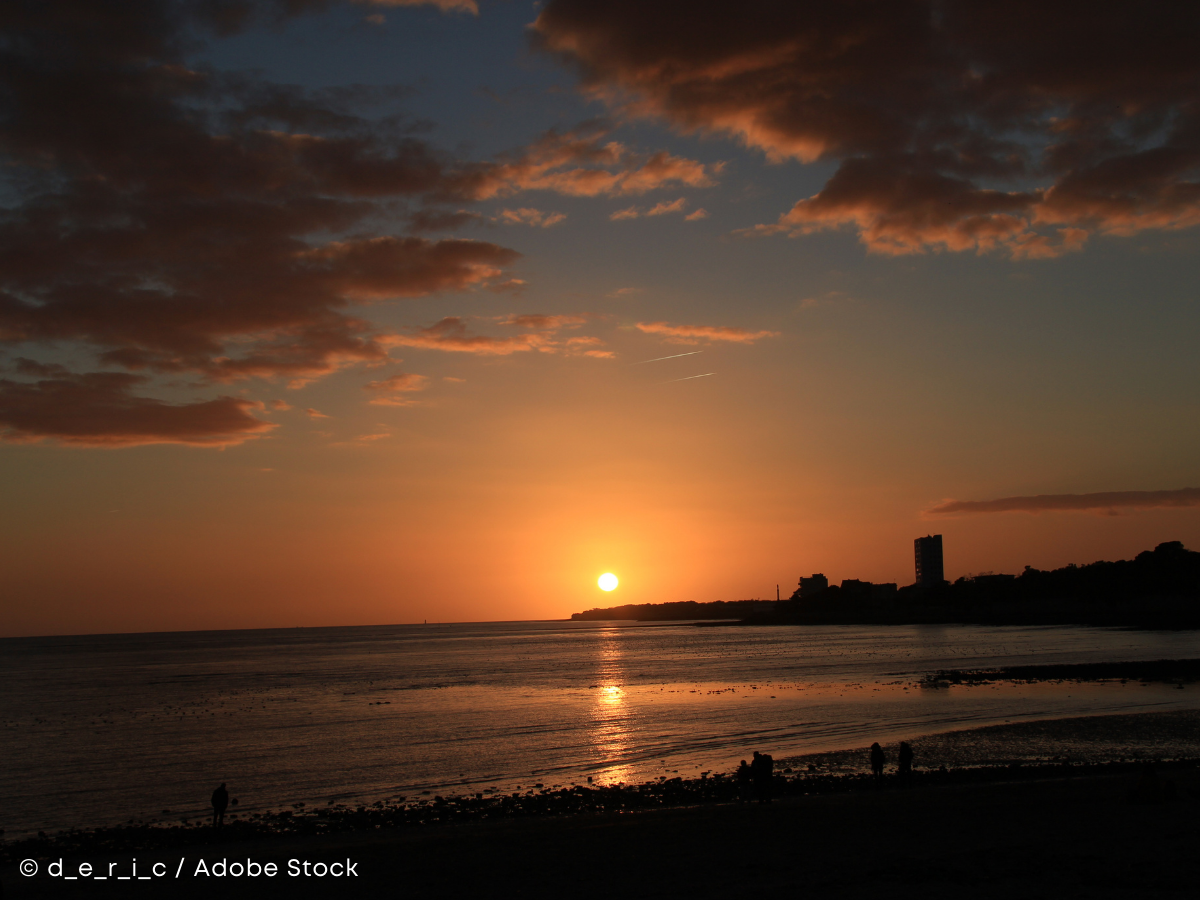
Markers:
1061,829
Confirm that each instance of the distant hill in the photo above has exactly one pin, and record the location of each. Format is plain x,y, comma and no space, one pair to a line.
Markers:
684,610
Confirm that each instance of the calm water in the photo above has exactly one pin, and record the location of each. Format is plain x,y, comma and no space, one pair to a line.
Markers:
105,729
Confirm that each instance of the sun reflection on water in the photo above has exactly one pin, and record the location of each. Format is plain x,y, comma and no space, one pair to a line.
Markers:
610,728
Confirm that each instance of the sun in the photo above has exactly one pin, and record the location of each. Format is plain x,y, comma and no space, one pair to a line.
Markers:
607,582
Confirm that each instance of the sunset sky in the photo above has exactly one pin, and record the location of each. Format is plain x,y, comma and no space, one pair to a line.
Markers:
338,313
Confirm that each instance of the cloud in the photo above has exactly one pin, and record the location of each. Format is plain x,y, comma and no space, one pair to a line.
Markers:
1109,500
314,413
659,209
444,5
1021,128
624,292
99,409
693,334
662,209
580,163
172,220
529,216
550,323
390,391
696,216
450,334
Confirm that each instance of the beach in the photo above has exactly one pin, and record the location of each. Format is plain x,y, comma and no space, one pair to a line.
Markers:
1051,828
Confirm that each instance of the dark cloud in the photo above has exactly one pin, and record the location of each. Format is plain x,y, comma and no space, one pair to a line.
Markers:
100,410
1108,500
1020,126
171,219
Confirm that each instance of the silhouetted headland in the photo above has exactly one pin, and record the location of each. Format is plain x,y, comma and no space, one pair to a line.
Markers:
678,612
1159,588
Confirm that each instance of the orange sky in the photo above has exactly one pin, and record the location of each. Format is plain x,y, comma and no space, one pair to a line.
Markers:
281,352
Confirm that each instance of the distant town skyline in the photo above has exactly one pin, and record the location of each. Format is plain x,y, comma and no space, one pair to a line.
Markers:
361,312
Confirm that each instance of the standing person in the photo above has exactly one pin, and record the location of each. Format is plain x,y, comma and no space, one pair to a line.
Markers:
766,774
762,769
877,761
743,781
905,761
220,800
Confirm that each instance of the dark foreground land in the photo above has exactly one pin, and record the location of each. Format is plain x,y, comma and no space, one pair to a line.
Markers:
1060,837
1065,827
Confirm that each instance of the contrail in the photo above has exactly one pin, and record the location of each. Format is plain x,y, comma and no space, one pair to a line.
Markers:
661,358
689,378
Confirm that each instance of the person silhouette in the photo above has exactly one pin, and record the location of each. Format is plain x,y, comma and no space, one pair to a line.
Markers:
743,782
877,761
220,800
762,770
905,760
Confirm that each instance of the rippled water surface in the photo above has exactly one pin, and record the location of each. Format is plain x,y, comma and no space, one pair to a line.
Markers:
104,729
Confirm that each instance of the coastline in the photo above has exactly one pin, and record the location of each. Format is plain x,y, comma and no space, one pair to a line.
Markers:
1108,750
1048,831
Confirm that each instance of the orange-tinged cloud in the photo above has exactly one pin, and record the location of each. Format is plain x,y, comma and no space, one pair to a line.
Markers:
581,163
694,334
665,208
390,391
99,409
1019,128
450,334
529,216
1103,501
549,323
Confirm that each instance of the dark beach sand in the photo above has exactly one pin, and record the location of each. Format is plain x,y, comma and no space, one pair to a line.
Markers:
1012,833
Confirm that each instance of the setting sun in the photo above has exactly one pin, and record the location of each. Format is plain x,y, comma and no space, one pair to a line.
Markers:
607,581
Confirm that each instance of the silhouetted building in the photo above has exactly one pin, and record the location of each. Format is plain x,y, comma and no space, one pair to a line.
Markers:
885,591
814,584
853,589
929,560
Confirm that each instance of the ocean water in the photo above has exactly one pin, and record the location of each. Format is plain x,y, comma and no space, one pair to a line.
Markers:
105,729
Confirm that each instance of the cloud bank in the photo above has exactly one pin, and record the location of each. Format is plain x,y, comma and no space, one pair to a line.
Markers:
1020,127
1108,500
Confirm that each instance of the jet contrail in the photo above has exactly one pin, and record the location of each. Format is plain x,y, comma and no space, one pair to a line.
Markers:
689,378
661,358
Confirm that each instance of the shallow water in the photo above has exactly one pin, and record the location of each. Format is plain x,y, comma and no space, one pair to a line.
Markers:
105,729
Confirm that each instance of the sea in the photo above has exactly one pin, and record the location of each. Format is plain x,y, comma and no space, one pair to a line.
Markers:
107,729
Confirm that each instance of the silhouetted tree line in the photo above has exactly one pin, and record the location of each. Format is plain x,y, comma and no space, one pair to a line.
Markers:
1158,588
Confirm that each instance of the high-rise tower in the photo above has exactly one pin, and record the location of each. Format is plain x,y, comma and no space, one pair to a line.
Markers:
928,551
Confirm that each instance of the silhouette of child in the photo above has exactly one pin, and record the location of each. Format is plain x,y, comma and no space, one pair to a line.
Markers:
220,800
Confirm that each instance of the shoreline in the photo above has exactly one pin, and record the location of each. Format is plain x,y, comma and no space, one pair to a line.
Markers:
1115,745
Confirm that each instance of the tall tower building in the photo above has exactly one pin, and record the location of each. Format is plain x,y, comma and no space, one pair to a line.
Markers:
929,560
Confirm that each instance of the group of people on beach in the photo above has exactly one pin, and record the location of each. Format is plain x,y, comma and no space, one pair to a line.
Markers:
754,780
904,762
